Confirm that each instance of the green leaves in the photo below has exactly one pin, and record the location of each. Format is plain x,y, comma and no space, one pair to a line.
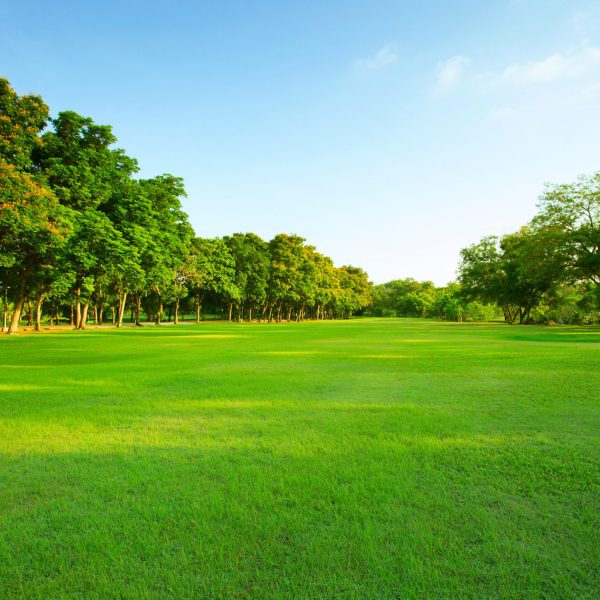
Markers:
21,121
77,227
569,223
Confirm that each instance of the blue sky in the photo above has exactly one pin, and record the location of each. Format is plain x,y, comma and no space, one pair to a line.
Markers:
389,134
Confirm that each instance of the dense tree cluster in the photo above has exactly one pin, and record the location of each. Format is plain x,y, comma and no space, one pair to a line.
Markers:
549,270
411,298
81,238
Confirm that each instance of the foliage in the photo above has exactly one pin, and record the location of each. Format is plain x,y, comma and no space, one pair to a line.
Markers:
77,229
547,269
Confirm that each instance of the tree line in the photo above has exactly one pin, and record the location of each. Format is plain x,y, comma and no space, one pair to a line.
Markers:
546,272
82,239
422,299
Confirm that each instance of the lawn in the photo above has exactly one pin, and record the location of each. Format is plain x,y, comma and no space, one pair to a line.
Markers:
358,459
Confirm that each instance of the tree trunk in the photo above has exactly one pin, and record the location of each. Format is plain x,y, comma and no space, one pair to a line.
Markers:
198,307
158,314
176,314
72,316
78,309
121,309
230,307
138,306
5,308
83,319
16,316
38,313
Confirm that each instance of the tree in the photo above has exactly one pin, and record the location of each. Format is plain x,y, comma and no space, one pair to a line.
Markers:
513,272
287,257
569,222
356,290
32,227
252,266
170,235
22,118
327,282
414,304
209,268
98,254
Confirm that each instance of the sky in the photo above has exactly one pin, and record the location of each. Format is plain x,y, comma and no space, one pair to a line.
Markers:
388,134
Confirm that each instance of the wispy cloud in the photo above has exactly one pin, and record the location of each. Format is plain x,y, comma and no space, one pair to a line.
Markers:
384,57
584,21
450,72
553,68
580,66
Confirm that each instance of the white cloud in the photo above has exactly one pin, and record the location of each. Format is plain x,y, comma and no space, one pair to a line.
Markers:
383,58
553,68
449,72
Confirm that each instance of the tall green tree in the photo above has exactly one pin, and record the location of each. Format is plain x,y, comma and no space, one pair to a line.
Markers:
287,258
32,228
569,222
513,272
170,235
210,268
22,118
252,268
32,224
356,290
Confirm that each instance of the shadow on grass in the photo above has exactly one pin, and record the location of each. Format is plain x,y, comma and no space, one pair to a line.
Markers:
420,521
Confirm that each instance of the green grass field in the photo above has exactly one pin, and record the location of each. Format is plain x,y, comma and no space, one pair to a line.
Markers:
360,459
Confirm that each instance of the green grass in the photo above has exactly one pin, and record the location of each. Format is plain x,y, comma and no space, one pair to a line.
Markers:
361,459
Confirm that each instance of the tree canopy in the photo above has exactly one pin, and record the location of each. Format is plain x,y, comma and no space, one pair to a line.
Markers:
79,233
81,238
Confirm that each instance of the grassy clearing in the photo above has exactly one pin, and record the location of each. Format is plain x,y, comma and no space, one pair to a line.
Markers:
362,459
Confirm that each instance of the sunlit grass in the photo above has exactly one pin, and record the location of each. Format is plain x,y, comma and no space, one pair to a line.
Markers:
363,459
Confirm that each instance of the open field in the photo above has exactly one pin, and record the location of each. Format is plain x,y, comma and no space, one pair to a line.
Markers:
360,459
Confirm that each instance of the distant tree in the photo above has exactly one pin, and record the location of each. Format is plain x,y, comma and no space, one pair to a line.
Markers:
170,234
356,290
252,266
287,258
327,285
209,268
414,304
